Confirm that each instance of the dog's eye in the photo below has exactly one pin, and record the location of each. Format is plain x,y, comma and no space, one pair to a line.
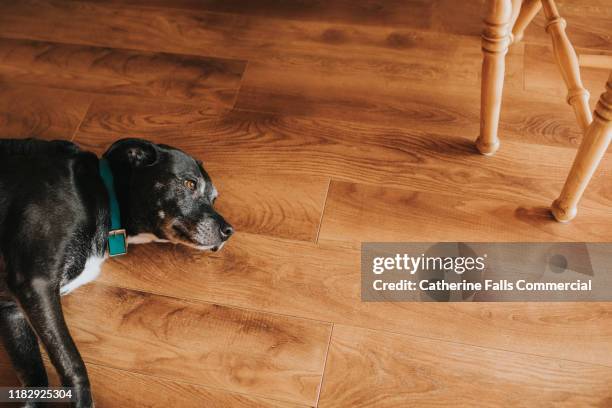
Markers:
190,184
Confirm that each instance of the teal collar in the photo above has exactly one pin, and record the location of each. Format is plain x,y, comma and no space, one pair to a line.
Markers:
117,241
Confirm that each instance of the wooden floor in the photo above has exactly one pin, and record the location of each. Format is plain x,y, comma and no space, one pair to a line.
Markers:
323,124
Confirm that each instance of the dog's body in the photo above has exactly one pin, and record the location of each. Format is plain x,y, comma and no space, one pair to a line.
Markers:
54,225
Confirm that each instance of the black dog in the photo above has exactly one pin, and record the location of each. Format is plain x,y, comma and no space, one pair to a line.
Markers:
56,214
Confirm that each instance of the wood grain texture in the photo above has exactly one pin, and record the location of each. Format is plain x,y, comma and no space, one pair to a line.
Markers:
116,388
360,213
394,370
411,13
126,115
542,74
30,111
124,72
598,60
322,282
192,30
253,199
588,25
425,160
387,50
380,97
173,30
385,101
588,21
450,16
119,388
122,388
205,344
280,206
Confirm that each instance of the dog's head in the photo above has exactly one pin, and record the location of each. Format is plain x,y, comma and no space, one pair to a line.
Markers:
167,193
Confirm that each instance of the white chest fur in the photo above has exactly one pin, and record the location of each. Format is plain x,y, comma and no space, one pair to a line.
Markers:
93,265
90,272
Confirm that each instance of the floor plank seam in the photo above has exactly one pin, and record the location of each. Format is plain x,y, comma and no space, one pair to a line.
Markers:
78,127
216,109
323,210
331,333
240,83
121,48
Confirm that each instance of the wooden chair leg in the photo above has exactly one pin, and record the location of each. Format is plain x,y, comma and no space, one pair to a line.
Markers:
577,96
516,10
495,42
529,9
596,141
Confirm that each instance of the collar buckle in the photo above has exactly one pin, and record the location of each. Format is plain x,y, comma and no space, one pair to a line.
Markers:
117,242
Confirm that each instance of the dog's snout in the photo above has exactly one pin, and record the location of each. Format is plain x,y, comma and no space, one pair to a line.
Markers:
226,230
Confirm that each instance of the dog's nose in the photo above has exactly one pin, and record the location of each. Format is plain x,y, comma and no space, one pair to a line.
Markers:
226,231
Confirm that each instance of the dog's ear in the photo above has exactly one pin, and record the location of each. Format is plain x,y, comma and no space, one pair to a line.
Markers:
133,152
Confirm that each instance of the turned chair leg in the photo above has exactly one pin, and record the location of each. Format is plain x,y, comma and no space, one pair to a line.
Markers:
577,96
495,42
592,149
529,9
516,10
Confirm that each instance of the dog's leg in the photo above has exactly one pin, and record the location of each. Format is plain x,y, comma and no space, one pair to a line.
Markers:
40,300
21,345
